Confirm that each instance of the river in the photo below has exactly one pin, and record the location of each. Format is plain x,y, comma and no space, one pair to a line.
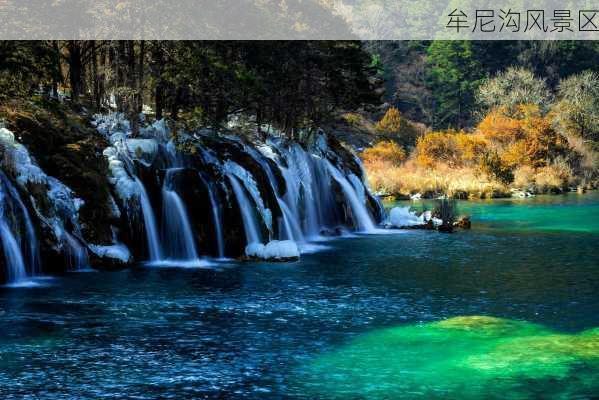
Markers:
507,309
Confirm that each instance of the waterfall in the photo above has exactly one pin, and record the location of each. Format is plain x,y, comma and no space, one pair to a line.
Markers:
308,194
216,218
34,254
77,258
178,235
249,183
250,226
12,254
360,214
149,222
12,213
289,223
297,179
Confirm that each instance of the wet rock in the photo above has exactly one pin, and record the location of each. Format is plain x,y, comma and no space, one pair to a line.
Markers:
463,223
110,258
445,228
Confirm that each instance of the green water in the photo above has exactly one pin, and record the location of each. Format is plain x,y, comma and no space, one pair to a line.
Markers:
463,357
477,357
563,213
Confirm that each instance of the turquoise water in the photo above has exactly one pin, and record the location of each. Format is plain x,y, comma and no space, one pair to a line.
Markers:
508,309
563,213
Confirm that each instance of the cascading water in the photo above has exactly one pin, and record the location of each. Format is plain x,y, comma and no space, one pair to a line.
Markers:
31,242
250,225
289,223
150,223
178,236
216,218
309,207
12,213
12,254
361,216
77,258
308,195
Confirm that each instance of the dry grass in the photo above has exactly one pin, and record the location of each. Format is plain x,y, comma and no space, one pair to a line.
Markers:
465,182
410,178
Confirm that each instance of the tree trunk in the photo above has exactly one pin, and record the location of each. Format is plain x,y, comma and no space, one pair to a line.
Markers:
131,105
159,100
140,75
57,75
95,78
75,69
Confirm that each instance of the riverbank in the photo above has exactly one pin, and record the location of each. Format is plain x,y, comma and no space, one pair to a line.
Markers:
411,181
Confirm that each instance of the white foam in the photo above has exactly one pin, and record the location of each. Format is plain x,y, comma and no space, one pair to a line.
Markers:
198,263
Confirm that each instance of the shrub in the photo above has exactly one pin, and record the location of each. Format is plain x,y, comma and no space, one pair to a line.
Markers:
385,151
516,155
449,147
524,177
400,129
446,211
513,87
497,126
353,119
524,137
577,112
435,147
495,168
557,175
391,122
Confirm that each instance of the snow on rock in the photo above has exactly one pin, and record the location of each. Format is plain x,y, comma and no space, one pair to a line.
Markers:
255,250
145,150
17,158
109,123
117,251
125,186
267,151
279,250
123,149
60,204
401,217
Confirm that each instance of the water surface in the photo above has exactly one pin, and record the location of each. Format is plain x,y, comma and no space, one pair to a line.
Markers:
261,330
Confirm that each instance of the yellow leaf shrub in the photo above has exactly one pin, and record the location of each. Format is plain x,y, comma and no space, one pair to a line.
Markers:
449,147
391,122
526,137
394,126
385,151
